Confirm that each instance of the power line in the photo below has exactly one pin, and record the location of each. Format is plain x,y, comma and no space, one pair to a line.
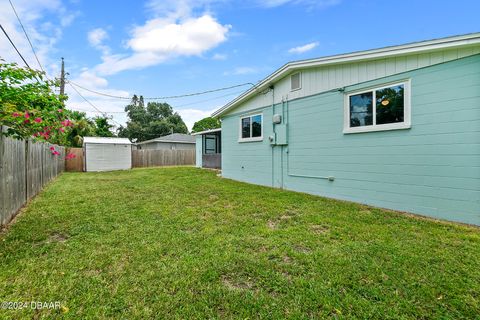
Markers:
15,47
166,97
95,107
175,107
26,35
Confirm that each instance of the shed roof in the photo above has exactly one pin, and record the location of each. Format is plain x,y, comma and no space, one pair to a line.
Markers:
106,140
391,51
174,138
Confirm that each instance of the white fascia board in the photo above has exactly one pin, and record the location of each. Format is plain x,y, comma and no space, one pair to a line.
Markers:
206,131
411,48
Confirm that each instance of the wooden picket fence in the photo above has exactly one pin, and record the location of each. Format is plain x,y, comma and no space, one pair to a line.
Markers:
159,158
25,168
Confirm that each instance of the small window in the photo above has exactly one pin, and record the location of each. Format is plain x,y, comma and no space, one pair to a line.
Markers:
211,143
295,81
251,128
383,108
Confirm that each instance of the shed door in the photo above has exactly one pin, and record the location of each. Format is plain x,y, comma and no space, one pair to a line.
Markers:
107,157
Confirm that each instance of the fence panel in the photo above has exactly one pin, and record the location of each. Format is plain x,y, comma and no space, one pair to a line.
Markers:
12,177
34,168
74,164
159,158
25,167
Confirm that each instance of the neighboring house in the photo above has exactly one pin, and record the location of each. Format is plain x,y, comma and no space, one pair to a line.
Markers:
174,141
209,149
397,127
107,154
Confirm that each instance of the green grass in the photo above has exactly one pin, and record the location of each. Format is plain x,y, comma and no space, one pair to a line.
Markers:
183,243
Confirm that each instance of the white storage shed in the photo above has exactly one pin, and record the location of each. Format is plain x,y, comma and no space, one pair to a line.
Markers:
107,154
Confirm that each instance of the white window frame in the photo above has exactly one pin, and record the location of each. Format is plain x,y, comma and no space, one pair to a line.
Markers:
299,81
251,139
407,110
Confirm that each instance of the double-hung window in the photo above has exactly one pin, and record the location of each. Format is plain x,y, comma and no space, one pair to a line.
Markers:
382,108
251,128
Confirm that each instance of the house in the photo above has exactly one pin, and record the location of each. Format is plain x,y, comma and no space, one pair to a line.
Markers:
107,154
396,127
209,149
174,141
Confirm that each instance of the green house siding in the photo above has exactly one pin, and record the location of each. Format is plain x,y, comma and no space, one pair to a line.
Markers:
433,168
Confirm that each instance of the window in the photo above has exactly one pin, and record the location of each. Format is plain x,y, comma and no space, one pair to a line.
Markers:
251,128
211,143
383,108
295,81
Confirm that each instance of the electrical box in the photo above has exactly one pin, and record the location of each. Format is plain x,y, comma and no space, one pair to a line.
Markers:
281,134
277,118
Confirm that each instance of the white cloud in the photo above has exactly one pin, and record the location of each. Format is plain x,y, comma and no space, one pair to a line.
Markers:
219,56
159,39
241,71
97,36
304,48
190,37
43,33
175,30
190,116
308,3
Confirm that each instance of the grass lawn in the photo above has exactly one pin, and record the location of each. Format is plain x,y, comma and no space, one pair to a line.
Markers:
183,243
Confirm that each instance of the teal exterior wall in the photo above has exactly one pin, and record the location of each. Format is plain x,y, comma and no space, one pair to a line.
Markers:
198,151
432,169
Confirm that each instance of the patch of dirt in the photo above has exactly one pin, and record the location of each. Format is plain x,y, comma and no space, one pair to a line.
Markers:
92,273
57,237
302,249
319,229
213,197
236,284
272,224
287,259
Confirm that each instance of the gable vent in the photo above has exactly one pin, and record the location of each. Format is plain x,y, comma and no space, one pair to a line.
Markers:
295,82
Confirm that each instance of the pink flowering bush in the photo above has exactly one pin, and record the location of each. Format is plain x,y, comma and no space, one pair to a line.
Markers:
29,106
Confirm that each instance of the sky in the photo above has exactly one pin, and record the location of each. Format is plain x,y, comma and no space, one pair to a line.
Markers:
162,48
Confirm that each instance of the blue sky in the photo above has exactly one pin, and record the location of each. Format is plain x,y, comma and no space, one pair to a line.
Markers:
164,47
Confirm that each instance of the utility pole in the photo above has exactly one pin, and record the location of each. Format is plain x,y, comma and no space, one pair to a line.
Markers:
62,79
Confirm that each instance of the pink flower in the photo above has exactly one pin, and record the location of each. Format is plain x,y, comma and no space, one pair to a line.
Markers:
55,153
62,129
16,114
27,115
67,123
60,110
52,148
70,156
26,121
38,120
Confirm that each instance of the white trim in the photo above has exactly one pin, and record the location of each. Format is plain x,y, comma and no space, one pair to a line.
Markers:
410,48
206,131
299,81
407,109
251,139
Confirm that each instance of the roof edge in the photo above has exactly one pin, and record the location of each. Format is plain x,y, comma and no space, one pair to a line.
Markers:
409,48
206,131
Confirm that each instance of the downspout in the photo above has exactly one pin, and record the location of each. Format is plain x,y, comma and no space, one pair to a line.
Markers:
272,88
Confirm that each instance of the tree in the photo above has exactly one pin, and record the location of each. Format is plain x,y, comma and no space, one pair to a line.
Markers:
29,106
82,126
206,124
154,120
102,127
